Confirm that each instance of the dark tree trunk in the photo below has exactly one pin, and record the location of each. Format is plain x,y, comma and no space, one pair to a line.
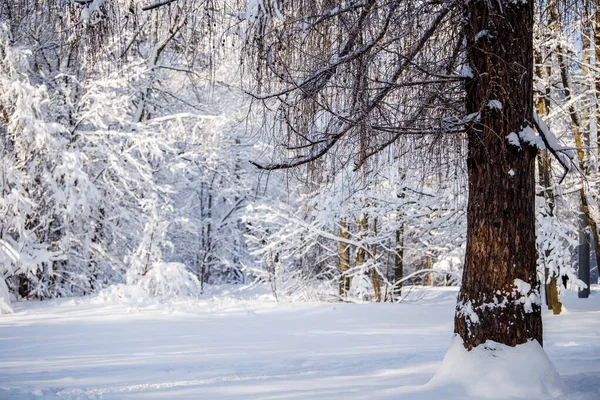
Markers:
398,262
583,271
495,301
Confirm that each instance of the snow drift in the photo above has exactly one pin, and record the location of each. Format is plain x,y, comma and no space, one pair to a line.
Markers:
497,371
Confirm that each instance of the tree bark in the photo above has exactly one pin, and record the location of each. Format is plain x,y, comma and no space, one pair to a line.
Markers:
542,107
583,272
398,262
344,259
429,274
579,143
361,255
374,273
500,262
363,226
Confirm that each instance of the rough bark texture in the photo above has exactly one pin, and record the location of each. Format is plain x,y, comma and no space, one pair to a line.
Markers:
501,250
344,259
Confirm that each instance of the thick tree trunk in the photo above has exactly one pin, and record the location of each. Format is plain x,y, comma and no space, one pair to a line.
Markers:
344,259
499,299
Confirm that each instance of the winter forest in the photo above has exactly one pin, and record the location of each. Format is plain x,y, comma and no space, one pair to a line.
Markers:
308,199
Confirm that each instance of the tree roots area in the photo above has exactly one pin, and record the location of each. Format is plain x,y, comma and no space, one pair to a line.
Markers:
241,344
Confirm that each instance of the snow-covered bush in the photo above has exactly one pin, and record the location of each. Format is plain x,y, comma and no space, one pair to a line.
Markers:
296,242
5,297
169,280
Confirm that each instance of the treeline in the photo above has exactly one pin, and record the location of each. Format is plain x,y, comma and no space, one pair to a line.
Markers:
318,146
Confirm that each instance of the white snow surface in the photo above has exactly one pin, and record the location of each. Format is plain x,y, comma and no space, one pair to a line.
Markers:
494,369
232,344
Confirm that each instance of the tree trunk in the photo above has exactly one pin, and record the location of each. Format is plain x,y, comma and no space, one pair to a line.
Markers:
579,143
344,259
500,262
363,225
398,262
584,256
551,282
429,274
542,107
374,273
596,73
361,255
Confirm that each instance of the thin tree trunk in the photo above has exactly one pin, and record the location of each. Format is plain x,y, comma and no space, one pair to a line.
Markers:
542,106
579,143
429,274
596,73
500,262
398,262
374,273
584,256
344,259
363,225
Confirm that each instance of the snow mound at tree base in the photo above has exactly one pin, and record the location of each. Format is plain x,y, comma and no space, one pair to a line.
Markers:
496,371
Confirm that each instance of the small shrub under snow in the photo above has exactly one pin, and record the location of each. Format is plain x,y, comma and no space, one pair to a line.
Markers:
168,280
162,281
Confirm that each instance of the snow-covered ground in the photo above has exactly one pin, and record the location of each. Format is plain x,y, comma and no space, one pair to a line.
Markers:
242,345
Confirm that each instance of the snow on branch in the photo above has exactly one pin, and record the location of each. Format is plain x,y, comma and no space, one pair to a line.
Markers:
564,156
157,4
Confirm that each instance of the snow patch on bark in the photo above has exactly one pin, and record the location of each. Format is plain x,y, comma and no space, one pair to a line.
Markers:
484,34
495,105
466,71
527,135
513,139
496,371
467,311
